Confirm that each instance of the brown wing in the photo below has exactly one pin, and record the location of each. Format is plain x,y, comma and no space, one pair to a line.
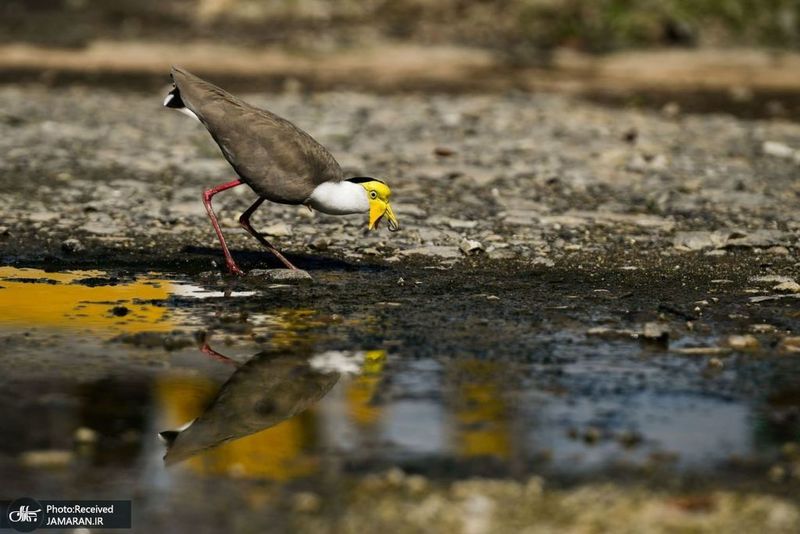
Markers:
276,158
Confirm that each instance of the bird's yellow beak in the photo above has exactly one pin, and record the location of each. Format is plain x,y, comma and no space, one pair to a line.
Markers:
377,209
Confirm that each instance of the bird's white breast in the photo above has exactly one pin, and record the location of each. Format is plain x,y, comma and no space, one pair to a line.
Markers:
339,198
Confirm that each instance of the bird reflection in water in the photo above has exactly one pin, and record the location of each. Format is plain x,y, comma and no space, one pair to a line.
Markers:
265,399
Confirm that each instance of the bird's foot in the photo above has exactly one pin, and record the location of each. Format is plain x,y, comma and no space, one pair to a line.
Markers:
234,269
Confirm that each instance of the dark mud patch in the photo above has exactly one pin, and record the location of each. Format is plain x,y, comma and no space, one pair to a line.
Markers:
32,280
95,281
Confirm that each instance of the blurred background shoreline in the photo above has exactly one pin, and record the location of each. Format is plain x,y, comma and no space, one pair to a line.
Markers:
738,57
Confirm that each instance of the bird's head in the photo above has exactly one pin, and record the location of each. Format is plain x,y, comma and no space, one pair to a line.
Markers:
378,194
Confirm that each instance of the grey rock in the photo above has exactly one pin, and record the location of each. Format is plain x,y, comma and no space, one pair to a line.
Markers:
543,262
777,149
778,251
286,276
100,228
743,342
72,246
611,333
461,225
581,218
698,240
787,287
767,298
770,279
279,229
731,238
470,246
522,217
757,238
457,224
320,243
501,254
439,251
656,332
42,216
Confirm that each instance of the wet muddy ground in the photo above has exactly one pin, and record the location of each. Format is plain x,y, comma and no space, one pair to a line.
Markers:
588,321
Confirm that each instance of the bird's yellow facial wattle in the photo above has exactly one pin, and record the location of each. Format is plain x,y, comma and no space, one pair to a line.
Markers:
378,194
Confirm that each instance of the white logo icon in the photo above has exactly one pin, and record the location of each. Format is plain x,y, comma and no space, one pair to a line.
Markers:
24,514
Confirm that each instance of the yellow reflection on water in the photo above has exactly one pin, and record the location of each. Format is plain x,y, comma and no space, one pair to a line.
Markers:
54,300
276,453
362,389
289,326
482,412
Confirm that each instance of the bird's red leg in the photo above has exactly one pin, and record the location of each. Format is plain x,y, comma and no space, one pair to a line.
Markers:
244,220
206,349
232,267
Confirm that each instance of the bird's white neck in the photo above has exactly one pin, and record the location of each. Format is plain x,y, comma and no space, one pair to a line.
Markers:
339,198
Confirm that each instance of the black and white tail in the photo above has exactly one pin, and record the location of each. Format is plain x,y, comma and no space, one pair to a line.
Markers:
173,100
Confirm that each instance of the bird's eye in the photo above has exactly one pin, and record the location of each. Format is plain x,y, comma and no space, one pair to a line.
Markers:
373,194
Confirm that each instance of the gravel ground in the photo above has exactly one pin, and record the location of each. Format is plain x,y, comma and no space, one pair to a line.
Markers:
531,178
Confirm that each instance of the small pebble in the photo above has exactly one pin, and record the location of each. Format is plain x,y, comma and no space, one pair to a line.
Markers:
671,109
787,287
745,342
591,435
776,473
701,351
280,229
656,333
469,246
416,484
85,435
629,439
120,311
72,246
791,344
306,502
778,251
46,458
778,150
395,476
444,151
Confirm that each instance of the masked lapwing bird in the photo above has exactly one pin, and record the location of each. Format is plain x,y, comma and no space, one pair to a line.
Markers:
279,161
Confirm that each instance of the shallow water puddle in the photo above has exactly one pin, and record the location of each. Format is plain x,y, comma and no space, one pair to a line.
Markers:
267,384
92,300
282,417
